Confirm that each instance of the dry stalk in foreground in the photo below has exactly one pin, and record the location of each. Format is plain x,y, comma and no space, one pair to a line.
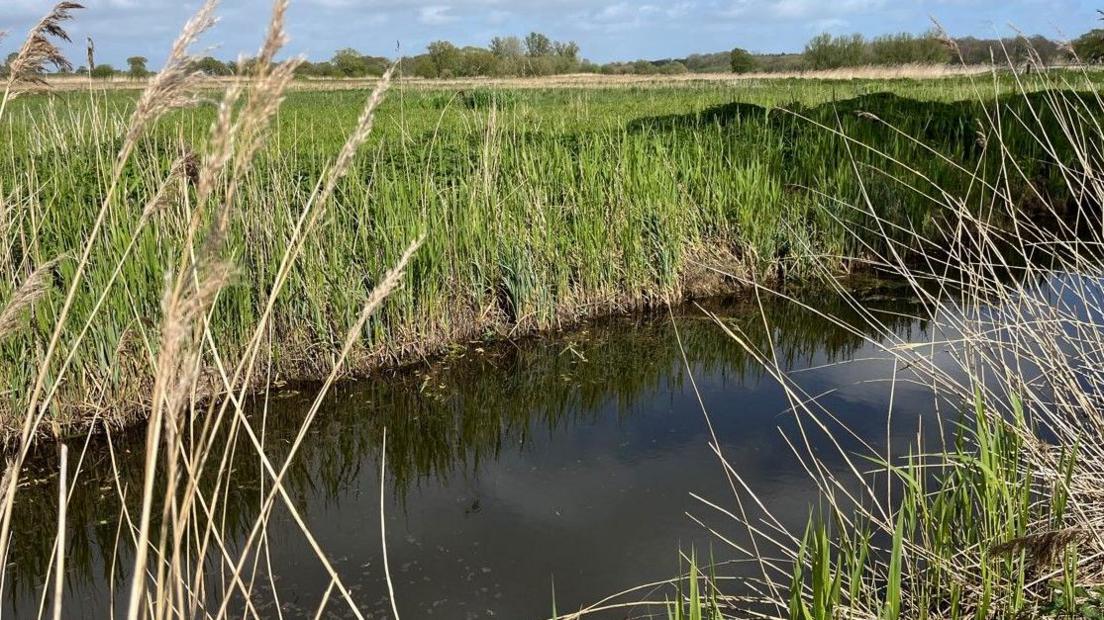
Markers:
176,534
39,50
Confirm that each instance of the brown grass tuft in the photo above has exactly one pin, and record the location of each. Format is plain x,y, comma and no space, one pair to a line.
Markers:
1043,550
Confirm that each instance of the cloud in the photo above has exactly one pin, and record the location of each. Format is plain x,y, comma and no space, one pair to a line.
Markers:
435,15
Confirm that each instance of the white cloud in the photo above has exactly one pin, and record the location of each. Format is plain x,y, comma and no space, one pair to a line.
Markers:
435,15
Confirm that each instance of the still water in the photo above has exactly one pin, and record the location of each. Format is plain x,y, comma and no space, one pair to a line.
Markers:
562,463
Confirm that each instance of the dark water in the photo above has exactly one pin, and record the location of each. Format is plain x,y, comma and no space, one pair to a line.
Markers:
566,459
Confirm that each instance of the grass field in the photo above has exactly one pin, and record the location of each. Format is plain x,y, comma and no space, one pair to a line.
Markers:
539,206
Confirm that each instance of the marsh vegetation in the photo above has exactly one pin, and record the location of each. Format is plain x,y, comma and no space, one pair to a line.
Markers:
174,259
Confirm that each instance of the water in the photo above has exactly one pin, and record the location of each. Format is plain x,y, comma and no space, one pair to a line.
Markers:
566,460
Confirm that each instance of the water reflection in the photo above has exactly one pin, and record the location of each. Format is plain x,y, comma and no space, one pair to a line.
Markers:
566,458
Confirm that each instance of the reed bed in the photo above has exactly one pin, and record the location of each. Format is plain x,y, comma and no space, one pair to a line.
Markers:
581,80
539,208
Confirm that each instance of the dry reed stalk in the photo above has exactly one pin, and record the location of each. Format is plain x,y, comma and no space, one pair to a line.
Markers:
39,50
383,526
235,141
90,54
170,90
387,285
63,502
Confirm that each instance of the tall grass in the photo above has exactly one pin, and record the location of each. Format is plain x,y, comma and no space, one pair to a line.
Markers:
181,565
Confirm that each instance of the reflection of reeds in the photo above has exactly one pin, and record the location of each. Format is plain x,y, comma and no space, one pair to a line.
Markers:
499,397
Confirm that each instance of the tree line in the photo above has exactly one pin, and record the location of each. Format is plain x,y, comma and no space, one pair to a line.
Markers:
539,55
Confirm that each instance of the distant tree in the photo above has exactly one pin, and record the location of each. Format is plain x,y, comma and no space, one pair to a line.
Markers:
103,71
568,51
507,47
137,66
6,69
741,61
1089,47
827,52
1047,51
537,45
445,58
906,48
422,66
475,61
212,67
673,67
708,63
349,63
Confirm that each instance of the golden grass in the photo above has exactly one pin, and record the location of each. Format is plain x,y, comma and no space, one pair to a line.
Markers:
580,80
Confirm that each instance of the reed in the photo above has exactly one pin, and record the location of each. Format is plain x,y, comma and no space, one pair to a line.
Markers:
179,553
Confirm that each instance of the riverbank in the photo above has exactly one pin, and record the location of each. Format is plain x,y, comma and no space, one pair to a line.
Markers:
538,208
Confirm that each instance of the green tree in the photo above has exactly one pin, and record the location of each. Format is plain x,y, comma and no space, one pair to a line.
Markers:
476,61
906,48
103,71
568,50
827,52
445,58
742,61
211,66
1089,47
673,68
349,63
505,48
6,69
137,66
538,45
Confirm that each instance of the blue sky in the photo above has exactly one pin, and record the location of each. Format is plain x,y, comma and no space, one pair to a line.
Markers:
605,29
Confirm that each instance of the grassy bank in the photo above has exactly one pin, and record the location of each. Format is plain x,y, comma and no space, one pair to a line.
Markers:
538,207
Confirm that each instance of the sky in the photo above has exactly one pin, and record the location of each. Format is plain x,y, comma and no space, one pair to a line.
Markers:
606,30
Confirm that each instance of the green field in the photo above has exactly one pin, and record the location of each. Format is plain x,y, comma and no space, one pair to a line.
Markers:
538,207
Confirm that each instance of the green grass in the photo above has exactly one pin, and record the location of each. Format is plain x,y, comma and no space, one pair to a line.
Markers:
539,207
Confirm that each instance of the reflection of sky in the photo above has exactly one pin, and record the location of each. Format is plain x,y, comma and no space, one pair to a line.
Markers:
601,505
